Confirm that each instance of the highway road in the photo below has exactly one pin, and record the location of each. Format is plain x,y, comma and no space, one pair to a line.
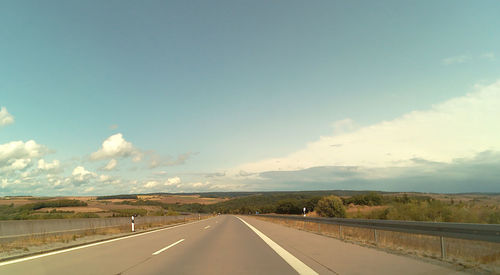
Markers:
222,245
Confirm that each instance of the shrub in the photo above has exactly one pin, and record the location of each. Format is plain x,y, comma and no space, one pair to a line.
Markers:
129,212
85,215
331,206
288,207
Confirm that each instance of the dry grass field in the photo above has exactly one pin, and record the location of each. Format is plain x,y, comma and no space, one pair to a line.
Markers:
354,209
181,199
457,198
16,201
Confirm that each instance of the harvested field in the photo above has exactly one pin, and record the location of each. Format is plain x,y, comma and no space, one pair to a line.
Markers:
182,199
85,199
110,207
15,202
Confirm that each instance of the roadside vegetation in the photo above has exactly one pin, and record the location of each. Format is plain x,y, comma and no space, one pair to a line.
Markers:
430,209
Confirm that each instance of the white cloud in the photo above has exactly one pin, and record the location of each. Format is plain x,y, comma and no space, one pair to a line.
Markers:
233,186
54,180
20,164
108,179
89,189
111,165
200,184
17,155
81,175
343,126
116,146
151,184
458,128
4,183
456,59
137,156
459,59
160,173
488,56
5,117
173,181
48,166
156,161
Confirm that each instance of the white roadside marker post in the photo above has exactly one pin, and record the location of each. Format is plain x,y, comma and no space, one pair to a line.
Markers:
304,211
133,229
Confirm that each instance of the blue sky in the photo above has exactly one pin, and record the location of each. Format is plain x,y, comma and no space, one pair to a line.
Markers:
234,95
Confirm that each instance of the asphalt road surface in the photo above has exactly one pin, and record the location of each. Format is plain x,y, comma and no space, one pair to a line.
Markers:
222,245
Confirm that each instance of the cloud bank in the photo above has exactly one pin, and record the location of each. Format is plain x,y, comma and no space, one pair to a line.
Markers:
458,128
452,147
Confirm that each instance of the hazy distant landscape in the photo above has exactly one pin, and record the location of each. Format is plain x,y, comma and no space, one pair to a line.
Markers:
468,208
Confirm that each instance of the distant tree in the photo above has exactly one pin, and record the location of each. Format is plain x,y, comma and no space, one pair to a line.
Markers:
331,206
310,204
373,198
288,207
117,197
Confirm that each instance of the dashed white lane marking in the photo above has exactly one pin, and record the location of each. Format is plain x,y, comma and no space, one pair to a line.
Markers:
299,266
165,248
89,245
208,226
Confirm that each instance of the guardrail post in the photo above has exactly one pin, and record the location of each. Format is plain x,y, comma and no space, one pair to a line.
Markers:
319,227
375,236
340,232
443,248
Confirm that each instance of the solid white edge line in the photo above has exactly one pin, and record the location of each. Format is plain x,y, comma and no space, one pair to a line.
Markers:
208,226
167,247
90,245
299,266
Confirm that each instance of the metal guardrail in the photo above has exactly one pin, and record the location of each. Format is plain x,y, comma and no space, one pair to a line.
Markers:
469,231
